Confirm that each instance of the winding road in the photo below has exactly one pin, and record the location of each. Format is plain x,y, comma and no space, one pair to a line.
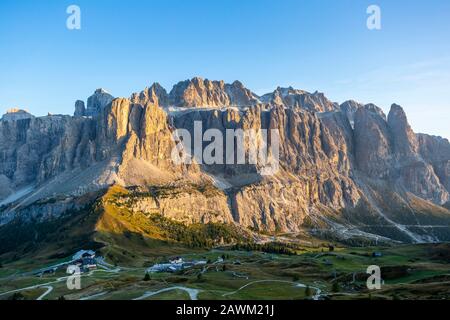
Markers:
48,286
193,293
301,285
49,289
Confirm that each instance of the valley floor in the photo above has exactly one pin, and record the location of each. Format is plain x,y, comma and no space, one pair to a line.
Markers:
408,272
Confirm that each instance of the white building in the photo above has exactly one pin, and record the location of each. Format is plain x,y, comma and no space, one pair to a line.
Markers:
176,261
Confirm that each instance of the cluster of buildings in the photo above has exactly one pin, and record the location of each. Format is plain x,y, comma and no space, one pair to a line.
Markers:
174,265
85,260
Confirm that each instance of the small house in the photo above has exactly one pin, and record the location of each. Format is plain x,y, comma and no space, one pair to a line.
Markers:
177,260
377,254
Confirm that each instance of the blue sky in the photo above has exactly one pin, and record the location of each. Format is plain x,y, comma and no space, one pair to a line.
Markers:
322,45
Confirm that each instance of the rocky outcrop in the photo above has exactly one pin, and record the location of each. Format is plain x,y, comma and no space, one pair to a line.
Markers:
349,108
404,141
24,145
80,109
97,102
436,151
156,95
373,150
179,201
16,114
389,150
290,97
417,175
314,161
206,93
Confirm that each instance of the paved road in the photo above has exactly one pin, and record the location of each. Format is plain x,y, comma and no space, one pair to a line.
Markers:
49,289
193,293
301,285
94,296
47,284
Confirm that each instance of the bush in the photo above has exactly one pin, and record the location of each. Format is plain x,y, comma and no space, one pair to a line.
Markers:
147,277
271,247
308,291
197,235
335,288
17,296
177,279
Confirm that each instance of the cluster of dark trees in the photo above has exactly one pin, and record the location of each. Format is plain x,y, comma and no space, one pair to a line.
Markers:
197,235
270,247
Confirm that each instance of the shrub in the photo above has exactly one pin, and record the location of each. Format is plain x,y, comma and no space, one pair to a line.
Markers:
335,288
17,296
307,291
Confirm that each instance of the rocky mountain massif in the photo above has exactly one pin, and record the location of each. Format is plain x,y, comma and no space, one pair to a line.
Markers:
346,171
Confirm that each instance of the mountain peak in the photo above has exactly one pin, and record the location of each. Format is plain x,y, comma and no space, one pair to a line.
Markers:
101,91
97,102
16,114
405,140
155,94
290,97
80,109
349,108
199,92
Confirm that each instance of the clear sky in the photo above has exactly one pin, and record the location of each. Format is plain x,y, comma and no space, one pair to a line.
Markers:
322,45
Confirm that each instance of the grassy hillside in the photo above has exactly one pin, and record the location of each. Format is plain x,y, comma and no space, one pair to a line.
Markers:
108,223
409,272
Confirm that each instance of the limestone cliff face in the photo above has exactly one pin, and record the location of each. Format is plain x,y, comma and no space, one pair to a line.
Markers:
436,151
389,150
345,167
314,161
24,145
417,175
373,150
180,200
404,141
